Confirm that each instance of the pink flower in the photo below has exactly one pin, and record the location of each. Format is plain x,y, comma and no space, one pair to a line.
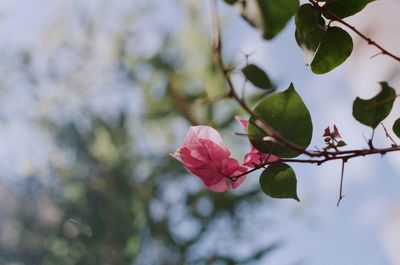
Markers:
204,154
254,158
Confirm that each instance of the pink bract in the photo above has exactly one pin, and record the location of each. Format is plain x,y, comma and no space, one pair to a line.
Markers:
204,154
254,158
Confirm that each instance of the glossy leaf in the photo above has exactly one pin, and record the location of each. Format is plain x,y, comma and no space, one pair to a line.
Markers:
270,17
285,112
279,181
346,8
257,76
396,127
309,43
310,30
307,18
335,47
255,98
230,2
372,111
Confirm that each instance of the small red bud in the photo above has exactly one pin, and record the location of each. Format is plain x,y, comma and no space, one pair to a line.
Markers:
336,132
327,132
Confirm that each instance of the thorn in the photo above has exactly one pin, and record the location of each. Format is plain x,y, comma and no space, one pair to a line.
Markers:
339,200
341,196
373,56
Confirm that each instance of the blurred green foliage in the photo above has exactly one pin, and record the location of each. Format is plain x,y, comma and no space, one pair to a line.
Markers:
119,198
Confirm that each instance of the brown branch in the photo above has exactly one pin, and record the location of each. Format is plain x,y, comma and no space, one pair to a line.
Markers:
218,61
315,157
371,42
181,104
330,156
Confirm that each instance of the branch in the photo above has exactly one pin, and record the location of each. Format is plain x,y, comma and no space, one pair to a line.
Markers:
218,61
182,104
315,157
329,156
363,36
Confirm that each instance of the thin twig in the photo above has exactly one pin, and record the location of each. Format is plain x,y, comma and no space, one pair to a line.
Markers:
334,17
370,141
244,89
344,156
208,100
341,196
388,135
218,61
315,157
376,54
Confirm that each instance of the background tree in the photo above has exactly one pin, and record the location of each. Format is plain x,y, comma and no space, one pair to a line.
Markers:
96,96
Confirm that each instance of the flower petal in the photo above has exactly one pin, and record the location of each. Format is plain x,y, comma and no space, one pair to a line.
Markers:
240,180
203,132
255,158
214,151
204,155
242,122
194,157
207,173
221,186
229,166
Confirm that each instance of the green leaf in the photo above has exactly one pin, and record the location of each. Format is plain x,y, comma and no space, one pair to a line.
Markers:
341,144
269,16
307,18
279,181
372,111
345,8
324,49
230,2
309,31
396,127
309,43
334,49
286,113
255,98
257,76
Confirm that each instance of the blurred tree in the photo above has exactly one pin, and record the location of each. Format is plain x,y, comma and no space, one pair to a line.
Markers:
119,199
